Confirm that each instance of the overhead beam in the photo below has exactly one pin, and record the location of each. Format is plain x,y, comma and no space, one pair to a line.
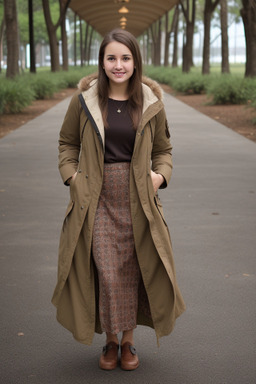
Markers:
103,15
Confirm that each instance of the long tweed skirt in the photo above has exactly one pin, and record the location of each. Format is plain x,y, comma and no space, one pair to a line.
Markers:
114,252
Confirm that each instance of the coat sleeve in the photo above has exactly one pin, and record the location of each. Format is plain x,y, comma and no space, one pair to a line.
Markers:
162,149
69,140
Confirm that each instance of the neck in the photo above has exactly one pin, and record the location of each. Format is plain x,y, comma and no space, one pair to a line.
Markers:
118,91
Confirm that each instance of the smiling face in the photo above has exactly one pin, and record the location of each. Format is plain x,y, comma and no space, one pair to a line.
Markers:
118,63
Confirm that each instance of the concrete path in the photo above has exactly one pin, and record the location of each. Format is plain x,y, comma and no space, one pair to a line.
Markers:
210,206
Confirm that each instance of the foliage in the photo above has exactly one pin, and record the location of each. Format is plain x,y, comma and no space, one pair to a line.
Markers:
165,75
40,31
250,91
14,97
192,83
223,89
17,94
228,90
42,86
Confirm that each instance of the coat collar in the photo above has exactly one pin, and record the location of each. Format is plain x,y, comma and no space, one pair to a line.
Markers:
152,96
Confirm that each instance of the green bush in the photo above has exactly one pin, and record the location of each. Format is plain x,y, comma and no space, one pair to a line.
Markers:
1,100
165,75
190,84
250,91
17,94
227,89
42,86
15,97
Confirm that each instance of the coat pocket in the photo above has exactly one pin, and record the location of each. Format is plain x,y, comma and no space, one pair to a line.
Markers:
68,212
159,207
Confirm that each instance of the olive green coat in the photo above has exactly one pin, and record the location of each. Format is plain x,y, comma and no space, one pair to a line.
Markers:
81,149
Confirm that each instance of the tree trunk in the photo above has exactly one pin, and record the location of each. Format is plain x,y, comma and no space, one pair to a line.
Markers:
2,27
52,29
86,39
188,48
81,42
224,37
175,28
190,26
75,54
53,41
159,43
167,40
10,14
89,46
156,39
153,44
64,45
248,13
208,10
31,38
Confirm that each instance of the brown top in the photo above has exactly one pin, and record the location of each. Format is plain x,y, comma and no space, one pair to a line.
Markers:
120,135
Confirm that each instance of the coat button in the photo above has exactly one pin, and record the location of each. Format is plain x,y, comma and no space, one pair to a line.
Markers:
86,176
79,171
82,207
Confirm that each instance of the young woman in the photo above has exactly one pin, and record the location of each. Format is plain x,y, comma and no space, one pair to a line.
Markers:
116,266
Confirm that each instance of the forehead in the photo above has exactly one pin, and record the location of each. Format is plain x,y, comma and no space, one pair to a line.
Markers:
117,49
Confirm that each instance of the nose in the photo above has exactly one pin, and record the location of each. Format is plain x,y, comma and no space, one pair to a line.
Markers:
118,64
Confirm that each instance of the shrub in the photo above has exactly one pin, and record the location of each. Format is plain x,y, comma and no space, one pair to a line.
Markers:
227,89
1,100
250,91
165,75
15,97
42,85
190,83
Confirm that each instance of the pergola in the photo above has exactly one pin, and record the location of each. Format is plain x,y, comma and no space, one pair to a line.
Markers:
134,15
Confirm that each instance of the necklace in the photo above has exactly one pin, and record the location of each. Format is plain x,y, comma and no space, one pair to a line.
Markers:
118,106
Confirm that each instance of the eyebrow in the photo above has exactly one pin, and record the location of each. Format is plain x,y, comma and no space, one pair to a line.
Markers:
125,54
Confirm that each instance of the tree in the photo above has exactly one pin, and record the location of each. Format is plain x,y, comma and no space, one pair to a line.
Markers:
31,38
64,39
156,39
175,28
189,12
88,55
10,14
2,28
52,29
248,13
209,8
224,37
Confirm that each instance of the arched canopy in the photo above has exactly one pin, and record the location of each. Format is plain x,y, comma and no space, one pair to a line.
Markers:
134,15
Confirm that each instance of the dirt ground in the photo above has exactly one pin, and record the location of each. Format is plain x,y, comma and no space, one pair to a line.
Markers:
237,117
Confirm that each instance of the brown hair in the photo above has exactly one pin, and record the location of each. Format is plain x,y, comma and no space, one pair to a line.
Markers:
135,95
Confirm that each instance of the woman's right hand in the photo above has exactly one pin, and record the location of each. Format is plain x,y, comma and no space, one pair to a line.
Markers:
72,178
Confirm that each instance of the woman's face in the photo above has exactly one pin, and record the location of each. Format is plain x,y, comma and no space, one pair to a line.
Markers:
118,63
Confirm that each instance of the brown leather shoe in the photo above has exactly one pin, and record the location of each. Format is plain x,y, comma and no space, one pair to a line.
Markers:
109,356
129,357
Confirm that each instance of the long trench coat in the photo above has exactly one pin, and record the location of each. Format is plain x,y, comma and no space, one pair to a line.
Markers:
81,149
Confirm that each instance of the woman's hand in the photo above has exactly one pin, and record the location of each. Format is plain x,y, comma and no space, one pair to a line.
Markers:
74,176
157,180
71,179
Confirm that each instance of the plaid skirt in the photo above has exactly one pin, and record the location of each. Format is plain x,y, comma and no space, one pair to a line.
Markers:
114,252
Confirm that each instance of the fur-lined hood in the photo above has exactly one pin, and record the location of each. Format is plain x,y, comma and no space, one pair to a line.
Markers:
150,87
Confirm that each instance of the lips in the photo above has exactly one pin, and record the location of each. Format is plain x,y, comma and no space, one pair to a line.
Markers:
118,74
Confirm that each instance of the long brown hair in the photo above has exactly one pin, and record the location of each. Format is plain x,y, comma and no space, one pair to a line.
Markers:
135,95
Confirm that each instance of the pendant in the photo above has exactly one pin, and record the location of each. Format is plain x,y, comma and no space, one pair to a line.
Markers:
119,110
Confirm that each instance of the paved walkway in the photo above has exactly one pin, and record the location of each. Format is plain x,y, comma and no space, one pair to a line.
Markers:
210,206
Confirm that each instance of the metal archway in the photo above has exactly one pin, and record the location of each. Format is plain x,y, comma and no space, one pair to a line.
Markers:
134,15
